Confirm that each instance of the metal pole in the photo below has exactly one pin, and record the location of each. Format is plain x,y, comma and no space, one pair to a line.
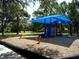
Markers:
56,29
61,28
45,26
50,27
70,29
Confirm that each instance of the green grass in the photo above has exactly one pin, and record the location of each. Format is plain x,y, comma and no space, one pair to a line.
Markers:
26,33
30,33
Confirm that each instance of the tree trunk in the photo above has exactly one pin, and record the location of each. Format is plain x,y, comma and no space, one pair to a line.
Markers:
2,29
17,25
2,24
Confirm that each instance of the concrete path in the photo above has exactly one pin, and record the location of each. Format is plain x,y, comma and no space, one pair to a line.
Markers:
64,51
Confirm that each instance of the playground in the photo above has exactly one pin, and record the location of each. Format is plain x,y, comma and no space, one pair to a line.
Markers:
54,25
53,41
59,47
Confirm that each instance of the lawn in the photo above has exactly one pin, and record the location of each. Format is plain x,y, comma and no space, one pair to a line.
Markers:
26,33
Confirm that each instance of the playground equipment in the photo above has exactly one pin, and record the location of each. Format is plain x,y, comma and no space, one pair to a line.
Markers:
53,20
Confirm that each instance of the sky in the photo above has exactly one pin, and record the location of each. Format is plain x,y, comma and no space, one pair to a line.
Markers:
59,1
31,8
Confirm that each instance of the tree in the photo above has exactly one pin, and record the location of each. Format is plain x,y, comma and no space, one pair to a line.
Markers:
9,11
45,8
74,10
73,13
51,7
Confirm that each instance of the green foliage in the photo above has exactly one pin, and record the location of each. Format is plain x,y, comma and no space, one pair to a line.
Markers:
23,24
7,29
45,8
10,13
51,7
74,10
35,27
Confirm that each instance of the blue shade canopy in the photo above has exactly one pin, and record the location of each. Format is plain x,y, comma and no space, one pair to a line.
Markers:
56,19
44,20
62,18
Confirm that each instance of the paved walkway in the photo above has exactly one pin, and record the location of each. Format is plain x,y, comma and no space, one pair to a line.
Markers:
65,51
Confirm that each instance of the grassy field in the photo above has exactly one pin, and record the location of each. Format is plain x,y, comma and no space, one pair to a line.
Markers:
26,33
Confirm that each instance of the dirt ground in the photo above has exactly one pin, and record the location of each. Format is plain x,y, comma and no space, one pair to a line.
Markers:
66,45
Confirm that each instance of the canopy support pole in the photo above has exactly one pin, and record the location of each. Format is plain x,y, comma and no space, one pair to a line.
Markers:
70,29
45,29
56,29
45,26
50,26
61,28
